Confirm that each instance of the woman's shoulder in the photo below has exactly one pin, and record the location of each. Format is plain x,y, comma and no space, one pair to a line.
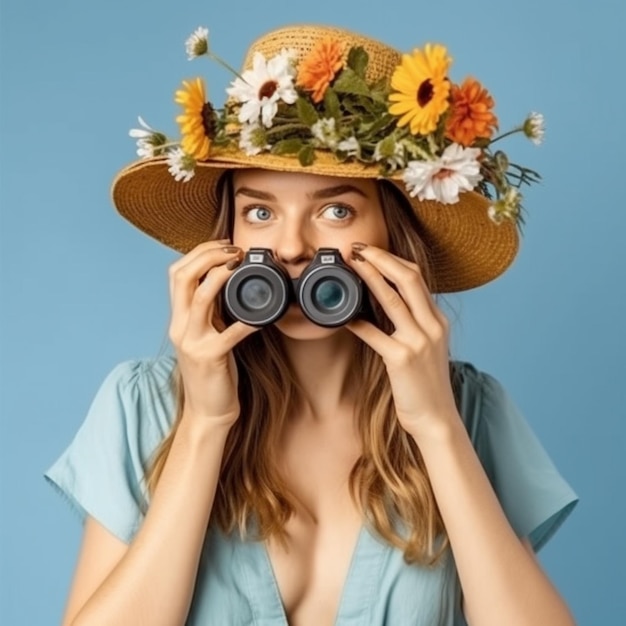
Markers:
533,494
466,376
480,395
468,372
143,391
144,371
101,471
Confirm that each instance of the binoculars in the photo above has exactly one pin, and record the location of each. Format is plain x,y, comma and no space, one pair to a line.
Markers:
260,290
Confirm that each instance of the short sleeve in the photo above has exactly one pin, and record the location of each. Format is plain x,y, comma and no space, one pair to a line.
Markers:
101,473
534,496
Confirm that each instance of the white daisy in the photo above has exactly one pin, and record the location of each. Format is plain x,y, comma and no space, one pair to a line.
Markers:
350,146
392,153
456,170
198,43
263,86
507,207
534,128
325,133
181,165
149,141
253,139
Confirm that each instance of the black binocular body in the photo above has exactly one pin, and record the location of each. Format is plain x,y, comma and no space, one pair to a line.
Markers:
260,290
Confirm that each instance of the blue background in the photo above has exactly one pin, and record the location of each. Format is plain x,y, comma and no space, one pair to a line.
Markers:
81,290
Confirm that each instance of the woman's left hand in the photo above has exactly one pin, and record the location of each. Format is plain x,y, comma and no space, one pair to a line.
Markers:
416,353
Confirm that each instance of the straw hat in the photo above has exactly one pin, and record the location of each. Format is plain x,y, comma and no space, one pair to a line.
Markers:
171,194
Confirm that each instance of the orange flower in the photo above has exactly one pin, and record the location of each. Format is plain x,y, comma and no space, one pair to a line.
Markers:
470,113
317,70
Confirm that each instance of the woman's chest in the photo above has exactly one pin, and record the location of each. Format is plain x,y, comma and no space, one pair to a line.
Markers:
312,564
236,585
330,571
312,561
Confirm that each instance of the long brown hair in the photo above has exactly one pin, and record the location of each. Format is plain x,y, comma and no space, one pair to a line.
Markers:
389,482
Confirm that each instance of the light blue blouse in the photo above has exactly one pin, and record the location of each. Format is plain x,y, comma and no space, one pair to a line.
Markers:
101,471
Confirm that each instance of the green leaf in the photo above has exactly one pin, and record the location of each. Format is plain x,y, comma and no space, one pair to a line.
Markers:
361,107
387,147
349,82
417,151
357,60
287,110
306,112
382,84
380,90
366,104
306,155
380,124
331,104
350,106
288,146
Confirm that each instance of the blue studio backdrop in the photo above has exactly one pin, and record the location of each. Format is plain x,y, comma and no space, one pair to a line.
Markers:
82,290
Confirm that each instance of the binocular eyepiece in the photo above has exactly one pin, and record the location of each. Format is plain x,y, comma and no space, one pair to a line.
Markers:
260,290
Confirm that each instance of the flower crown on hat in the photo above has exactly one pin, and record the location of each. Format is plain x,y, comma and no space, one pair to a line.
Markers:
417,125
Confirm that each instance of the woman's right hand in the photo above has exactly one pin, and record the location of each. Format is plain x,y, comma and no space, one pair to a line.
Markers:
204,352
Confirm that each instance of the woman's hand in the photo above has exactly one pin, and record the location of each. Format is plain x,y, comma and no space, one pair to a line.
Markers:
204,352
416,353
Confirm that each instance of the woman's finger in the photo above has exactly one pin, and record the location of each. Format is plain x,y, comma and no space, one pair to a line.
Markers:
184,282
434,307
409,283
199,249
186,278
391,301
235,333
374,337
202,304
192,257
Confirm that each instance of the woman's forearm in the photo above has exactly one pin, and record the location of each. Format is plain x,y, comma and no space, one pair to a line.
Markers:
153,583
502,582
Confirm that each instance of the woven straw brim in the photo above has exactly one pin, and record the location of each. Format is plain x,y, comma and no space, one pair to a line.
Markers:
466,248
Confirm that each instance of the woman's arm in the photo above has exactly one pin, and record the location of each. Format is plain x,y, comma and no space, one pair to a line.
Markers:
502,581
153,582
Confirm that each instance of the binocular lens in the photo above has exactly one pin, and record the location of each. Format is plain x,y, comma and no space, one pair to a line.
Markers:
328,295
255,293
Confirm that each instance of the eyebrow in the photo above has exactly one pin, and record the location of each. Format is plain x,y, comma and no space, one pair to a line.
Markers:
319,194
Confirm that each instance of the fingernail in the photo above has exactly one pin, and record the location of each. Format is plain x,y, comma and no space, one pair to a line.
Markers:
355,256
233,263
231,249
357,246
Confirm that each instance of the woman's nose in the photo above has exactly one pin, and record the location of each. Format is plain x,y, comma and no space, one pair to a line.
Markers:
294,244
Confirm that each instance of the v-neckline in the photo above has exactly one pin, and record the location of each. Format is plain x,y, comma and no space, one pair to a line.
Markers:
356,594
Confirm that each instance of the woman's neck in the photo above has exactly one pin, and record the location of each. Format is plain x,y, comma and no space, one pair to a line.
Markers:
322,368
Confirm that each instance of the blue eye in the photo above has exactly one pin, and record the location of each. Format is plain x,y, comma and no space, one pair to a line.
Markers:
258,214
338,212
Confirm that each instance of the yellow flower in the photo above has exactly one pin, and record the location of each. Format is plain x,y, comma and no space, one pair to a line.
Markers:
197,123
317,70
421,89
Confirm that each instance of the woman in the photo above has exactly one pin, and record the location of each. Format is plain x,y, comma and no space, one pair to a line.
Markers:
305,474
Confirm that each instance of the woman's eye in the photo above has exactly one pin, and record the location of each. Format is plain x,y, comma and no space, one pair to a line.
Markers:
258,214
338,212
